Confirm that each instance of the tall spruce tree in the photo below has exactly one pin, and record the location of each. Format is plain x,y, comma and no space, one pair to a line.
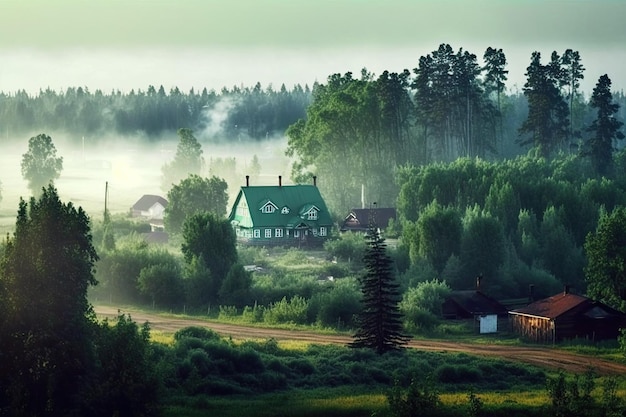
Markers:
380,321
547,123
605,129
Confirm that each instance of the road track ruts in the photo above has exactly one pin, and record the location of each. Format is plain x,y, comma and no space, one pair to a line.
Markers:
542,356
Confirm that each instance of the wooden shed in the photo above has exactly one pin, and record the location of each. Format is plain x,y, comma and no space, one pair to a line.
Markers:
566,316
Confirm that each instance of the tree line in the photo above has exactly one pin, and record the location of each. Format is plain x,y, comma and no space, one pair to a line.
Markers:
358,131
242,113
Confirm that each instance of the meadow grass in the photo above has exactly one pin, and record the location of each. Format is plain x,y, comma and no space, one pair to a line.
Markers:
355,402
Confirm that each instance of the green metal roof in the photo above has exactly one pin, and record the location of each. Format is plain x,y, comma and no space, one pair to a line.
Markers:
293,202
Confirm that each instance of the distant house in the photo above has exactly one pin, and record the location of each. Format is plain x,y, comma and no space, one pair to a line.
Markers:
475,305
150,207
358,219
285,215
566,316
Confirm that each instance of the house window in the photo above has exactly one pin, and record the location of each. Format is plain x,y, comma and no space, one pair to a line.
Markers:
312,215
285,210
268,208
296,233
268,233
257,233
322,231
278,233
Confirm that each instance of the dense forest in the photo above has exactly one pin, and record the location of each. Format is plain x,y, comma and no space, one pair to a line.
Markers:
239,113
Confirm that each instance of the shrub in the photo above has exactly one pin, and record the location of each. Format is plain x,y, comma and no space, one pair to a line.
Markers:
227,312
420,399
338,306
197,333
293,310
350,247
253,314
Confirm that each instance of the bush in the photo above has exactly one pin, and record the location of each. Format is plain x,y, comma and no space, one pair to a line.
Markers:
227,312
350,247
293,310
197,333
420,399
253,314
338,306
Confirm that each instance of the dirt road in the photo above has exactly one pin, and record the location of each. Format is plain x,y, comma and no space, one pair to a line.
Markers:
546,357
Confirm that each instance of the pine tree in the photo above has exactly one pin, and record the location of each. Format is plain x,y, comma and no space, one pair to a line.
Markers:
605,128
380,320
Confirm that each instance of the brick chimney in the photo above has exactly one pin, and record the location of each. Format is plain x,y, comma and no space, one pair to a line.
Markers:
280,180
247,180
315,180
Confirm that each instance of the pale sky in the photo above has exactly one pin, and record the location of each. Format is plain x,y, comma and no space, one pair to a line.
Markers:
131,44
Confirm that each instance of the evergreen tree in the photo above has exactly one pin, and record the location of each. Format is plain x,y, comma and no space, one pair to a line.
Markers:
573,72
45,322
380,321
547,122
605,128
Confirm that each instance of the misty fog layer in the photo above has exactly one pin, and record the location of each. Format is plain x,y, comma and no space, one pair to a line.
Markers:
132,168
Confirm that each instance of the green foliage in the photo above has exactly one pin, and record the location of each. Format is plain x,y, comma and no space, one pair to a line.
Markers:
194,195
235,288
45,327
606,128
187,161
438,237
162,283
118,272
380,321
374,115
547,122
338,306
421,305
475,405
227,312
350,247
606,255
293,310
482,249
273,286
544,209
126,381
196,332
572,397
40,164
209,242
419,399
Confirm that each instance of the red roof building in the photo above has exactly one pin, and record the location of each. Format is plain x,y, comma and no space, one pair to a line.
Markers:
566,316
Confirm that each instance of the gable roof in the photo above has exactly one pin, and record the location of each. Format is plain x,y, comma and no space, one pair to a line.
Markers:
298,199
475,302
553,307
359,218
147,201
